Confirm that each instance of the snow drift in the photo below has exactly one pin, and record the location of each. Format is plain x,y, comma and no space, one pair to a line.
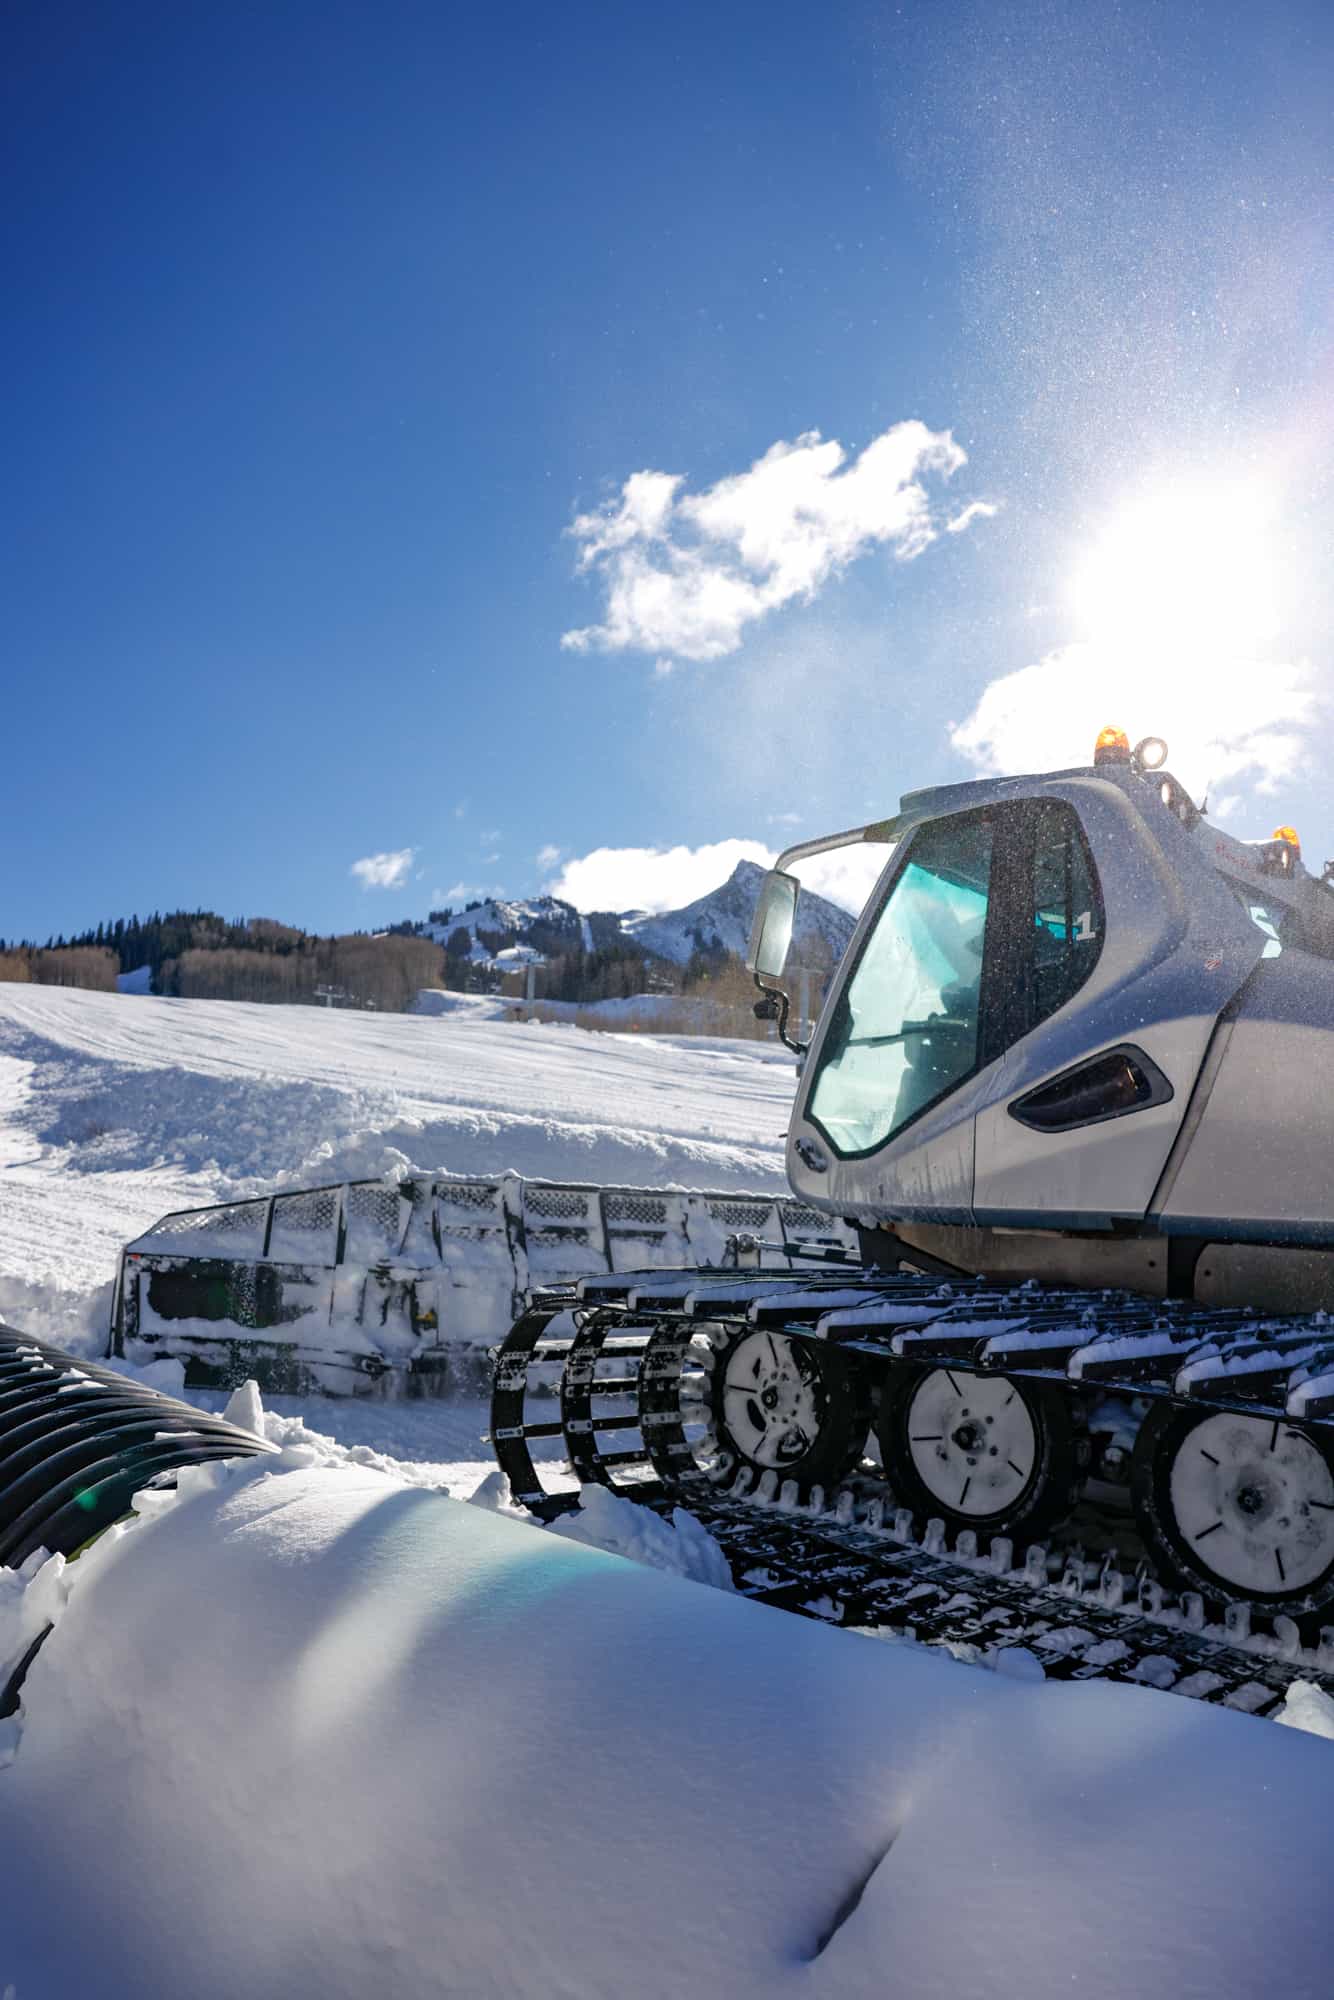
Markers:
311,1732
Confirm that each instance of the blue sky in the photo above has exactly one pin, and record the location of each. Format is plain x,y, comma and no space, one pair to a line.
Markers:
334,333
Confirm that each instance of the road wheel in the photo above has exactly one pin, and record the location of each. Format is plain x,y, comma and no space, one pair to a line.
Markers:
988,1452
1239,1508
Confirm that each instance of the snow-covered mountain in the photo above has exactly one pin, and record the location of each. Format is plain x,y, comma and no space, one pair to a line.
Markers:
544,922
718,922
721,921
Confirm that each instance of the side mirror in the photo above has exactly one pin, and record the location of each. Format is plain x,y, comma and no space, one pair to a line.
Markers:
771,931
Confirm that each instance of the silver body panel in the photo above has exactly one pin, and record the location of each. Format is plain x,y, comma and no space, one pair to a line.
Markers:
1179,948
1262,1150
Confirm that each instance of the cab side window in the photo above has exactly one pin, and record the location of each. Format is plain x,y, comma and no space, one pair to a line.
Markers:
1067,911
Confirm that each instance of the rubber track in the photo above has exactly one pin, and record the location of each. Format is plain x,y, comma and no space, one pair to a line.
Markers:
851,1557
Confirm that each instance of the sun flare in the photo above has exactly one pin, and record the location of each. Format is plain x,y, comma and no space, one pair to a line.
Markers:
1181,571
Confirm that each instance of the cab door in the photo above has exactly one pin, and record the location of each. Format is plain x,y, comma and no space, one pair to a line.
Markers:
1109,972
883,1119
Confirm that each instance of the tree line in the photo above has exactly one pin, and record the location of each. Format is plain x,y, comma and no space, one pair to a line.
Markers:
87,966
153,940
200,955
355,971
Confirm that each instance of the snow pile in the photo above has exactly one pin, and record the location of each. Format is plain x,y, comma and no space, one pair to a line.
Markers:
313,1732
1308,1707
31,1599
291,1430
680,1547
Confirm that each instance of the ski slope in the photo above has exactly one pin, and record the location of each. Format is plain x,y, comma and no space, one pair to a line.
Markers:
355,1736
115,1108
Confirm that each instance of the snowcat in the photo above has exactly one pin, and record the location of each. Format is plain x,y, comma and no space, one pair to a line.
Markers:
1045,1312
1070,1089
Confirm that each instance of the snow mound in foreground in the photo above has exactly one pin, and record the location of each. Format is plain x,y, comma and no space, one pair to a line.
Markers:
308,1731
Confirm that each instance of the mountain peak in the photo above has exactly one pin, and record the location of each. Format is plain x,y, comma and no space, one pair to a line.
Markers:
720,922
714,924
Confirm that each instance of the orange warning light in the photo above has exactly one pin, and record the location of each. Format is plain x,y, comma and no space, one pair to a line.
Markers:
1288,835
1112,747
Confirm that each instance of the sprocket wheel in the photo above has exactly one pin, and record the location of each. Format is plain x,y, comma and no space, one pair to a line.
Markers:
792,1407
1239,1508
982,1451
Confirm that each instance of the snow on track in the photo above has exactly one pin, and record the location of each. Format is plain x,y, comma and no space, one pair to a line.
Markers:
115,1108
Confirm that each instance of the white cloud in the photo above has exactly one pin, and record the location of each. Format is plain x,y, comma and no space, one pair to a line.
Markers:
652,878
684,576
490,837
845,876
976,510
1224,719
384,871
547,857
666,878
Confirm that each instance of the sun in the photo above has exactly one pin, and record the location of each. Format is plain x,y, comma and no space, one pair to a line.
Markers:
1180,571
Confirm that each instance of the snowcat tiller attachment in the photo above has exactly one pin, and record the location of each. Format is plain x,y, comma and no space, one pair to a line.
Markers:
406,1285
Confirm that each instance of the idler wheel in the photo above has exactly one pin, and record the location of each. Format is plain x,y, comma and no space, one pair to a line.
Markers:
1240,1508
982,1451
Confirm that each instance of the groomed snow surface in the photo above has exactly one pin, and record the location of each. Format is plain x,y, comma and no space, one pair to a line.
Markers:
317,1729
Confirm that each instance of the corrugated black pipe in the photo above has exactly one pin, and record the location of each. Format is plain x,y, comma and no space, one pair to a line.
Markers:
76,1443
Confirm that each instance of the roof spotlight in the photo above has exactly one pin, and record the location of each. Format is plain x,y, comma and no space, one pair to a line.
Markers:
1149,754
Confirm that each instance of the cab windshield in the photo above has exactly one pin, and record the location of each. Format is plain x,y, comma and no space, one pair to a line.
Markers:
906,1026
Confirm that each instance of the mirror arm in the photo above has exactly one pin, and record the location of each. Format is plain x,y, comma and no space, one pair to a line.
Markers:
880,832
776,1006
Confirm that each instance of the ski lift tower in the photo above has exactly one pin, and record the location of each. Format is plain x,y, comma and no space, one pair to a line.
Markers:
521,961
